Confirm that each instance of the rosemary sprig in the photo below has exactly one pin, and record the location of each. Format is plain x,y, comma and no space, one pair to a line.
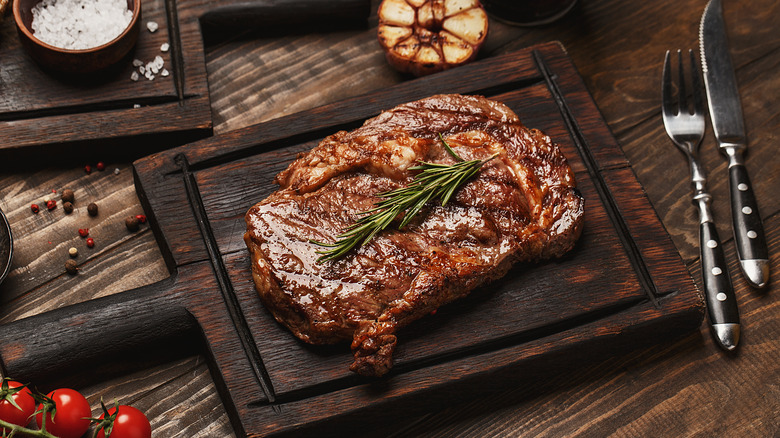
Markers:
435,181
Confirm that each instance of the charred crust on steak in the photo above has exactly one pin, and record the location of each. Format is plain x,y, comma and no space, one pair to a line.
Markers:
522,206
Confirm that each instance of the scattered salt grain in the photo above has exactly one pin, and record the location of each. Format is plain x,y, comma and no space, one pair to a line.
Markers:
165,47
150,69
152,26
79,24
116,171
135,105
134,76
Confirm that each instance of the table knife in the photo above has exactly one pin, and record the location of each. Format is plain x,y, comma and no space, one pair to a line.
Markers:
727,122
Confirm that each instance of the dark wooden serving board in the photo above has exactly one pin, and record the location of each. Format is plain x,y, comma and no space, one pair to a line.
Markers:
623,285
42,109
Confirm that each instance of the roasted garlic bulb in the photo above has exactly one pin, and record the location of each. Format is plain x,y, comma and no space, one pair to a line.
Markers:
427,36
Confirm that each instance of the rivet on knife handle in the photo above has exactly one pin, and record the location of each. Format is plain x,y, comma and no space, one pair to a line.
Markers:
748,229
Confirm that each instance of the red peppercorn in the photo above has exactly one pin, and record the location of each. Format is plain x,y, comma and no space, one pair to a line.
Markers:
100,166
90,242
51,204
88,169
141,218
35,209
83,232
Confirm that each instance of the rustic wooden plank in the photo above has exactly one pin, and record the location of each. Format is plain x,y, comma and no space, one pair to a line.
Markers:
658,388
190,383
232,172
96,108
42,240
681,387
42,109
657,160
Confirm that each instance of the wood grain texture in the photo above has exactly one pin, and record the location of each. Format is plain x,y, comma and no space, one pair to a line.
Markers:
42,108
623,285
685,387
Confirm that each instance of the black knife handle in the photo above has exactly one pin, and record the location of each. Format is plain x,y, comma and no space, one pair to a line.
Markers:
718,290
748,229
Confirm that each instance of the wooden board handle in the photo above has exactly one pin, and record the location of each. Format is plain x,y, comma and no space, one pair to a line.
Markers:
92,336
300,15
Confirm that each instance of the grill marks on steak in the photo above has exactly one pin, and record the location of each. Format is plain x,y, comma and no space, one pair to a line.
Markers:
522,206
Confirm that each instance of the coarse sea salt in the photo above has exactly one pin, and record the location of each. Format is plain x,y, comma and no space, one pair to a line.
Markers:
79,24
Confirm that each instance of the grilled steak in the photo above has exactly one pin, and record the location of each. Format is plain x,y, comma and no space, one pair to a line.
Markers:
521,206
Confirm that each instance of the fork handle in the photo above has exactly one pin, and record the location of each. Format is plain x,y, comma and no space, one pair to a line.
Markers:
718,290
721,300
748,229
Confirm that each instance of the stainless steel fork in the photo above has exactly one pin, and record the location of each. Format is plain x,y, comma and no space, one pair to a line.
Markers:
684,120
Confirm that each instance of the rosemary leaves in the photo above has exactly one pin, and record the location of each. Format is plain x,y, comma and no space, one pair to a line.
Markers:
434,182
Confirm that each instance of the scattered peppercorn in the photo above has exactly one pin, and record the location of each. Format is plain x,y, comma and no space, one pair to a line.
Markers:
68,207
92,209
68,196
131,223
51,204
90,242
141,218
73,252
71,267
35,209
88,169
83,232
100,166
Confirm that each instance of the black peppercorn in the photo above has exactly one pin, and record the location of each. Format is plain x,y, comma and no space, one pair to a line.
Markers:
68,196
131,223
68,207
71,267
92,209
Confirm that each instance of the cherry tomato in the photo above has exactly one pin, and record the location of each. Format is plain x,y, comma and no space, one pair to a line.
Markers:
71,415
129,423
22,396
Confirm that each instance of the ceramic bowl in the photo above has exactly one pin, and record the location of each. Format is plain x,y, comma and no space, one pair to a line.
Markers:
75,61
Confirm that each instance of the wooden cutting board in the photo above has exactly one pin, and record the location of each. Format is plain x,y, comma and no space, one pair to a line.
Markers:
624,284
45,110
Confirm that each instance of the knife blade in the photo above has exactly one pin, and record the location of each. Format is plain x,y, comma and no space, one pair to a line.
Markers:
727,121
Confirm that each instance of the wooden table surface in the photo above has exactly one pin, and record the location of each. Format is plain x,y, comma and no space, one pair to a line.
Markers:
681,387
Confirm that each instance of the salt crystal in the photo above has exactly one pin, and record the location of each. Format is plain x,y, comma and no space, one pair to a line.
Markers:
137,63
135,105
142,69
116,171
155,70
148,74
134,76
164,72
152,26
79,24
165,47
158,61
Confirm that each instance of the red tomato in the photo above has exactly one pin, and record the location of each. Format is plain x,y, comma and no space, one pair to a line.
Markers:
129,423
22,396
71,417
